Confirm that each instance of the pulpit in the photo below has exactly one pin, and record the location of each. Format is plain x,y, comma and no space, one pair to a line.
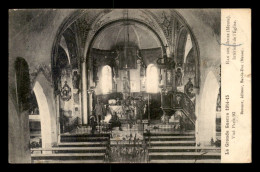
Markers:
166,103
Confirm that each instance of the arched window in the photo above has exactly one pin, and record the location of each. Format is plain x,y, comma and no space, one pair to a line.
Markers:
152,79
106,79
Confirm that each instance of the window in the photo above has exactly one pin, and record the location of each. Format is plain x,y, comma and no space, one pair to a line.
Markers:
152,79
106,79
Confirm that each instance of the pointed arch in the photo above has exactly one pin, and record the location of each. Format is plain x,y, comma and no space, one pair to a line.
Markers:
181,42
188,47
45,116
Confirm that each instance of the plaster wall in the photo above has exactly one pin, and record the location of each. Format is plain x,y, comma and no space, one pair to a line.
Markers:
207,34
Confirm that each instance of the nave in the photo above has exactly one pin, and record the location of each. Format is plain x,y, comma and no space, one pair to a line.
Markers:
115,85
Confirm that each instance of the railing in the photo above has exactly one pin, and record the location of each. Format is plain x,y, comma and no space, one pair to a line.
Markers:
179,101
185,105
129,149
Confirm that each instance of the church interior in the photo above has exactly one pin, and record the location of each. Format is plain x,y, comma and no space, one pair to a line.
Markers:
114,85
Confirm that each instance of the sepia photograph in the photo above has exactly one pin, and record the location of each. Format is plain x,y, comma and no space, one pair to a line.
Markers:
119,86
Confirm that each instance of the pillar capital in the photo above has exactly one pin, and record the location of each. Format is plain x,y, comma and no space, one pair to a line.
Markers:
83,59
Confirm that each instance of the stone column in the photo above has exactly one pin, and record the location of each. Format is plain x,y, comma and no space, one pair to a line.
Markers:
197,121
58,117
84,93
196,90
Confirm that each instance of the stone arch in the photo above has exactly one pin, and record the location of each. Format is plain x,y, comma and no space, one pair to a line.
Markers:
207,117
63,45
55,47
43,92
90,45
195,44
44,115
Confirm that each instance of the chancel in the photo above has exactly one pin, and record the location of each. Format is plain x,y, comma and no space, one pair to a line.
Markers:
114,85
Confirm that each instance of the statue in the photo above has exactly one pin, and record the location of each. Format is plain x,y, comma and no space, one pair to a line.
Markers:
179,77
140,105
188,89
126,85
178,101
75,80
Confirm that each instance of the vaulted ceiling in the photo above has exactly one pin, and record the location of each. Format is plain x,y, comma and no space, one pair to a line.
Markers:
118,34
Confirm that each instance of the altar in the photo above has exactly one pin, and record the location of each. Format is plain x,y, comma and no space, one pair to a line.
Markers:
118,109
121,111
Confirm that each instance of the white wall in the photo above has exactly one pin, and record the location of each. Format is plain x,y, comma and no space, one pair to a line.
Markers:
207,117
45,98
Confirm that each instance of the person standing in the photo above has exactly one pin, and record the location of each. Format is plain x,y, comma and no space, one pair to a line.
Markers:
93,123
140,109
99,110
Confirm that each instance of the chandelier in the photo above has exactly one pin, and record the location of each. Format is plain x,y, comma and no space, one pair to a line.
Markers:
126,36
128,53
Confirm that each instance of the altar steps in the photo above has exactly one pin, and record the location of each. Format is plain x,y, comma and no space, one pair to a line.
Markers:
171,138
179,147
75,148
83,144
183,155
68,156
182,149
84,137
171,133
69,161
187,161
70,150
173,143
